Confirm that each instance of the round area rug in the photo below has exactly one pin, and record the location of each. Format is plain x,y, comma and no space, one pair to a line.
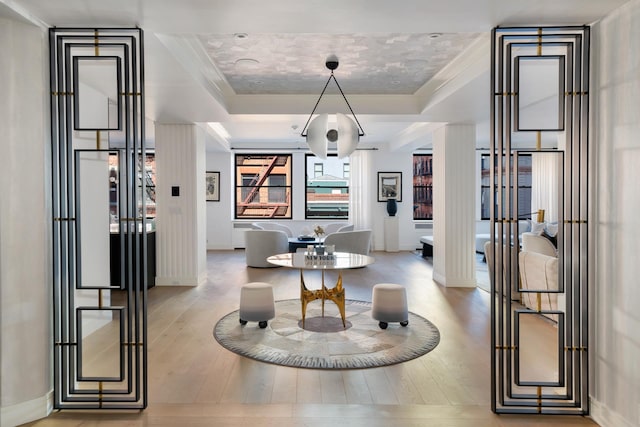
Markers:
324,343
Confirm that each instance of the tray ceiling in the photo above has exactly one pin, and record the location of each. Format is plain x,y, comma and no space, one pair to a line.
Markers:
385,63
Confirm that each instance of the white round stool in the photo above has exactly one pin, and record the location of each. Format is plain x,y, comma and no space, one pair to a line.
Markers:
256,303
389,304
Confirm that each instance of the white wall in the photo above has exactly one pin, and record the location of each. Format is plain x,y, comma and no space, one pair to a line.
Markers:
385,161
220,214
25,275
615,296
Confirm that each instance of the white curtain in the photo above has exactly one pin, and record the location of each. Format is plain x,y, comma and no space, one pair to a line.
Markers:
360,186
545,169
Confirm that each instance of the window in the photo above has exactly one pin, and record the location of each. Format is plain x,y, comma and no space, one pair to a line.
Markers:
422,186
327,194
524,186
345,170
318,170
263,186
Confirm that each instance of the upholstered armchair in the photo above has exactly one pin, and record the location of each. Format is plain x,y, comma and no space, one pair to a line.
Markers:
532,242
538,265
273,226
335,227
261,244
356,242
510,287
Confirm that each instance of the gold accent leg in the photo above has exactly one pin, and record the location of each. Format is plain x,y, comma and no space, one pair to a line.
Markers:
324,294
303,299
306,296
336,294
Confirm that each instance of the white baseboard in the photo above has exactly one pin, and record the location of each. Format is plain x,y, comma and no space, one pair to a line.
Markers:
27,412
177,281
605,417
453,282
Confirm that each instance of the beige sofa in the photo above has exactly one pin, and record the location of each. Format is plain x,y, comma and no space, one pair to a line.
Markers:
538,266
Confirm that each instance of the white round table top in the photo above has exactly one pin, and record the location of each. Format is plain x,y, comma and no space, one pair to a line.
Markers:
339,261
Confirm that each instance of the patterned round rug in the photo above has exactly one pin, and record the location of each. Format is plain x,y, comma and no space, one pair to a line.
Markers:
324,343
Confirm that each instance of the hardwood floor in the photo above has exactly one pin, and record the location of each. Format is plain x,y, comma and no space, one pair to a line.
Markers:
193,381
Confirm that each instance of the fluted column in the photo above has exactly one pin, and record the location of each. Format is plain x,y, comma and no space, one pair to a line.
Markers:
180,219
454,173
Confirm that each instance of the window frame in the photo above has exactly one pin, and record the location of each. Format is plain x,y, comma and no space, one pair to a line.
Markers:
522,207
240,187
307,215
422,180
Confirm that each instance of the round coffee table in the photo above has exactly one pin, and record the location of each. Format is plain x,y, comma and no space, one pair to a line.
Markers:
338,261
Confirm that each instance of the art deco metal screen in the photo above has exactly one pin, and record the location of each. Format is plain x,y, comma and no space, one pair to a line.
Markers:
97,155
539,107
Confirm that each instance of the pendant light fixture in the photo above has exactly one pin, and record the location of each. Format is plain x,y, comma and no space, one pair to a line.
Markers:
318,132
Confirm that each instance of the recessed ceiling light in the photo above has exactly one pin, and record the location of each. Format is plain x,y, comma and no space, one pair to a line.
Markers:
246,64
240,36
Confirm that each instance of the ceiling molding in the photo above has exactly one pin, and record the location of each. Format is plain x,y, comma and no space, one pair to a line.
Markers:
418,135
213,141
467,66
194,59
18,11
303,104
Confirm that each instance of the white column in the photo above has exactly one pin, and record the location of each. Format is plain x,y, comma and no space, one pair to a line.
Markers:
25,225
391,238
454,206
180,219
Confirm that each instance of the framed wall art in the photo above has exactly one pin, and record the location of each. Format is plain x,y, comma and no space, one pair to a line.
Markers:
389,186
213,186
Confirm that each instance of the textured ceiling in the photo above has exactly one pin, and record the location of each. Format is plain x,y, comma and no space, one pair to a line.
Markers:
191,53
380,63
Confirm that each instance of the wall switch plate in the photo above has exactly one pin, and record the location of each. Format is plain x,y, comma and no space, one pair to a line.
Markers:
175,191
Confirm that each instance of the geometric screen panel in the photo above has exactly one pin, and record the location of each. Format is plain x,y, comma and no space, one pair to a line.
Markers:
99,317
539,318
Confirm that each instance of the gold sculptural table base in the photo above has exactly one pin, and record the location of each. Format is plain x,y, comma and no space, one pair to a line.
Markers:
335,294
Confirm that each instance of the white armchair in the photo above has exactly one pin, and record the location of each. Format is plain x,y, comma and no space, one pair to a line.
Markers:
510,287
538,265
357,242
334,227
532,242
273,226
261,244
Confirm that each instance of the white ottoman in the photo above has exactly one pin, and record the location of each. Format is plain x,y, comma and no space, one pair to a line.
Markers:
256,303
389,304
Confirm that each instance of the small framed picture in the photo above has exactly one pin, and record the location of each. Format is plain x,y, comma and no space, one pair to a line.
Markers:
389,186
213,186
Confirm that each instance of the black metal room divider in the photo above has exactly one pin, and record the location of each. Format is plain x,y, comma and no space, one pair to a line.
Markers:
99,218
539,109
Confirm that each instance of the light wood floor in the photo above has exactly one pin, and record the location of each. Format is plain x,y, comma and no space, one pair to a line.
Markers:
193,381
